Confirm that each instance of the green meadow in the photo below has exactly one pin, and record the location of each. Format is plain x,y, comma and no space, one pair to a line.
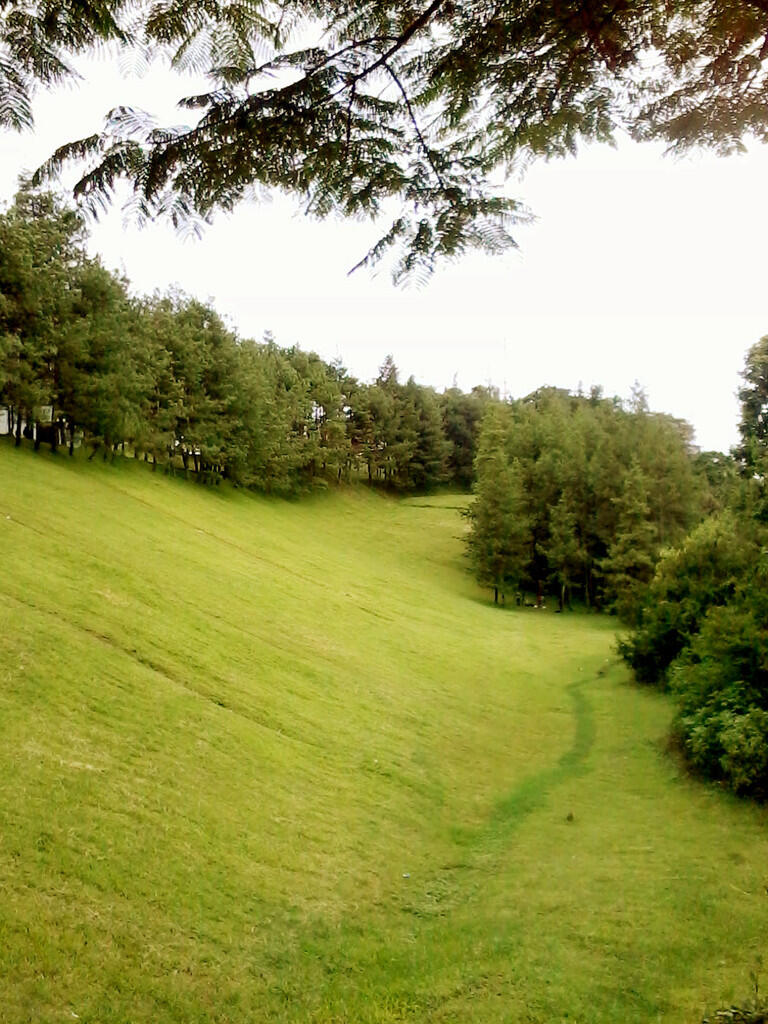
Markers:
271,761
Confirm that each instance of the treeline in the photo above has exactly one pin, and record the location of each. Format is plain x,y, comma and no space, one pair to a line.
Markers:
82,361
576,495
701,630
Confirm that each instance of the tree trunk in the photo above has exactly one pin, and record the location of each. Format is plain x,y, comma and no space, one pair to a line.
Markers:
17,443
495,595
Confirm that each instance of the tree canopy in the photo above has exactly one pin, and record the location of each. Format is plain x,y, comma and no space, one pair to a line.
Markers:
413,107
580,492
754,405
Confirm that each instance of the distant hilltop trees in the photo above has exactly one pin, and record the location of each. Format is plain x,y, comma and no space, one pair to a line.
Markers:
83,361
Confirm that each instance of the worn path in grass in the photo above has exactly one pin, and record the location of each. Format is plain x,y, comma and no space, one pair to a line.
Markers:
282,761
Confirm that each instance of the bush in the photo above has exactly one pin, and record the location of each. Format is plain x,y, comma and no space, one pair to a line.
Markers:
703,632
729,746
744,761
705,571
721,682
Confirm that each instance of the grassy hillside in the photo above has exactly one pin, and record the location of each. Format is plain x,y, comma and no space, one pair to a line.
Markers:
268,761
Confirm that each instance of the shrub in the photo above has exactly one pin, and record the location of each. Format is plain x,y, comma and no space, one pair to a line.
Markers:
744,761
721,682
704,571
703,632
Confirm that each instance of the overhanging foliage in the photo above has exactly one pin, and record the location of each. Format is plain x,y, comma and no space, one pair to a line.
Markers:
361,108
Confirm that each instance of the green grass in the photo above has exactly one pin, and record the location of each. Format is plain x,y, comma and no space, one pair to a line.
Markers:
283,761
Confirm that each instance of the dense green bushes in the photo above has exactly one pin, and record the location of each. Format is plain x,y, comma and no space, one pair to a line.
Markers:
704,571
703,634
702,628
721,680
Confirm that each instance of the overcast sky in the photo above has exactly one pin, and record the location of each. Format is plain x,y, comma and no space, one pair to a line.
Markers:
638,268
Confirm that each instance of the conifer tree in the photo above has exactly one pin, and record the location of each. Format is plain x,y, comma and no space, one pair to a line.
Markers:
428,448
564,552
500,535
462,415
41,251
632,553
101,385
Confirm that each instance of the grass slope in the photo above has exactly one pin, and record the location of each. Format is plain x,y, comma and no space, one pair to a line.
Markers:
269,761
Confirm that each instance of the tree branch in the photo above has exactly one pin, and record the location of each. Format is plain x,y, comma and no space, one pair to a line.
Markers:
402,39
398,42
416,128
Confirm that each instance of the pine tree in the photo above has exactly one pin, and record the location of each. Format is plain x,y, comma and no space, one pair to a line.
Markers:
564,552
462,415
423,423
500,539
41,251
101,385
632,554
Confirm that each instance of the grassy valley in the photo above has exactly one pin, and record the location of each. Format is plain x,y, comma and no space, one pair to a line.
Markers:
267,760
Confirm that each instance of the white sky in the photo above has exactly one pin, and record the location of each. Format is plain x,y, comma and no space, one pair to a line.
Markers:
639,268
